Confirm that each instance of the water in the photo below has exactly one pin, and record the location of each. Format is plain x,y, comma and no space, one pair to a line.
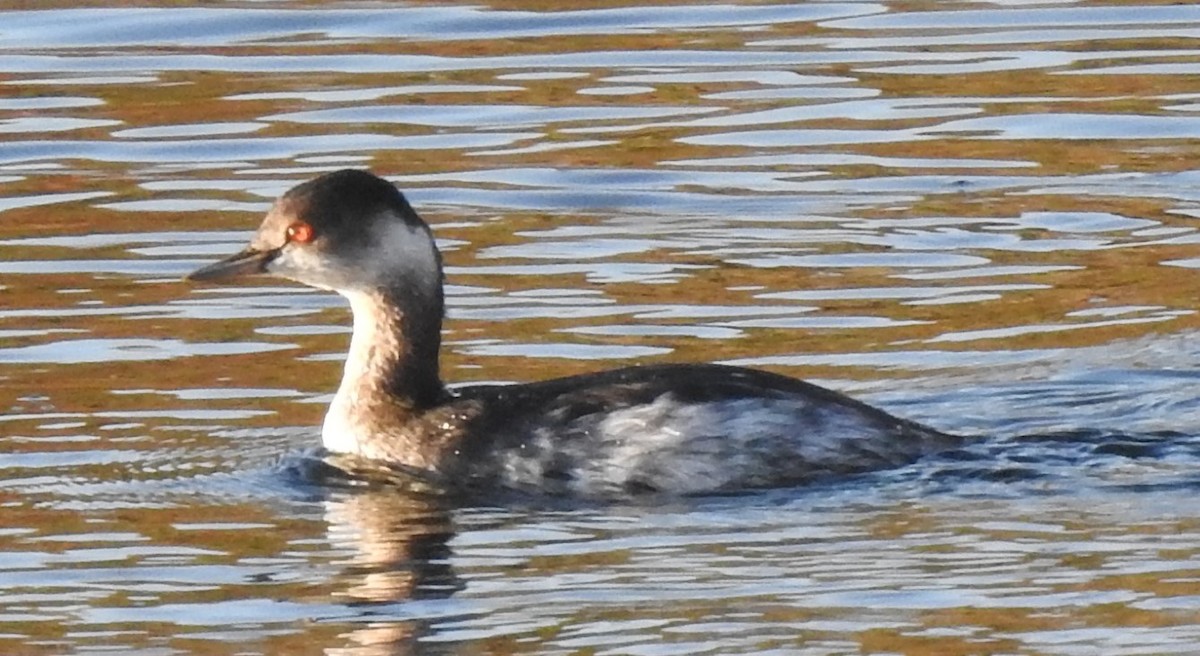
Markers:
977,215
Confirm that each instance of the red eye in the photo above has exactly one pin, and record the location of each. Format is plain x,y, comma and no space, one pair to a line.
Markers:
301,232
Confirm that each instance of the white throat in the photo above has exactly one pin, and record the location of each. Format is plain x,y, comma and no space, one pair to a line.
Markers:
345,429
394,293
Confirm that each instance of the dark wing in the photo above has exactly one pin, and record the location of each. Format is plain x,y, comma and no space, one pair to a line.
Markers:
783,429
574,396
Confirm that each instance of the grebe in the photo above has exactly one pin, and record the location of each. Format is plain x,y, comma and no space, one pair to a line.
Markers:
673,428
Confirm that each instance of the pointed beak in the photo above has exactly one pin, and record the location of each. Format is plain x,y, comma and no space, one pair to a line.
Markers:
247,262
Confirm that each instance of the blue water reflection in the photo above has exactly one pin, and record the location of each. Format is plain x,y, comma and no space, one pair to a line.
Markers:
982,217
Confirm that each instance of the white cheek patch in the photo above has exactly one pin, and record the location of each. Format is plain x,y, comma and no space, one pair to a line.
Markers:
399,255
303,265
403,251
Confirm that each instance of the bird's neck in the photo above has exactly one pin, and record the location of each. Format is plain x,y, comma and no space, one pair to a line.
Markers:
391,372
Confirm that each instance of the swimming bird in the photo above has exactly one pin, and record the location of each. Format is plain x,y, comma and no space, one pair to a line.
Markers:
663,428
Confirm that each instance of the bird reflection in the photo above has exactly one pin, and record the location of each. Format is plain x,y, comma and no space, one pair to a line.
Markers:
400,553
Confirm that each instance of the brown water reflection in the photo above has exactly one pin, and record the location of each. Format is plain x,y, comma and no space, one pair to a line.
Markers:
980,216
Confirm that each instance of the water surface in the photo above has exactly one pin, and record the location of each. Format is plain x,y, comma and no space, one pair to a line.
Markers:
979,215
